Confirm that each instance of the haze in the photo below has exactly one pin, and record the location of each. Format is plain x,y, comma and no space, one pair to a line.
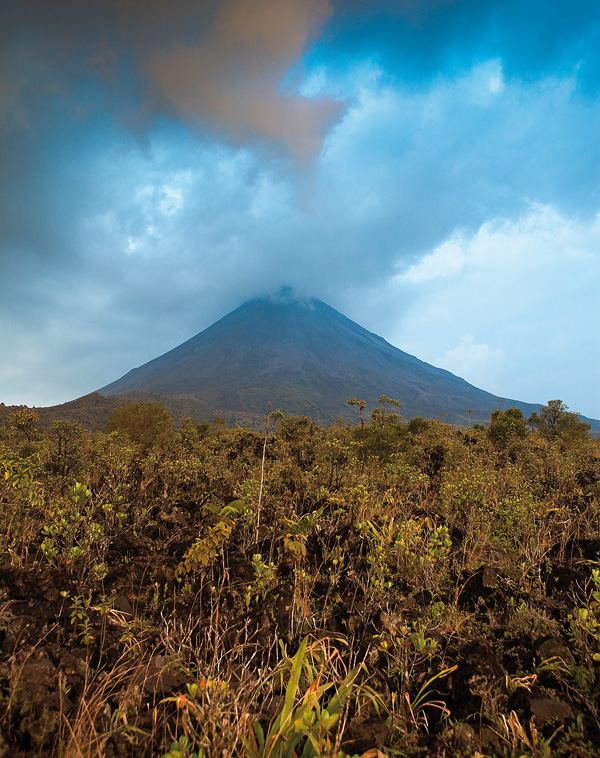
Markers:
430,169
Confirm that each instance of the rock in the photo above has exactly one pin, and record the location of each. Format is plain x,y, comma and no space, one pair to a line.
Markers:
271,708
483,591
546,709
58,701
478,679
555,648
122,604
156,678
491,744
463,738
489,577
36,678
365,736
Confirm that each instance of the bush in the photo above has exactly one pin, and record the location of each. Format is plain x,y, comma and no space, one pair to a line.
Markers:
507,426
143,423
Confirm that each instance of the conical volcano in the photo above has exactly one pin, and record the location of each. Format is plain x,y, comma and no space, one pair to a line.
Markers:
305,358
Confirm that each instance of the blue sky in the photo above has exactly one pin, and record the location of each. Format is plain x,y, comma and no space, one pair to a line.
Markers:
431,169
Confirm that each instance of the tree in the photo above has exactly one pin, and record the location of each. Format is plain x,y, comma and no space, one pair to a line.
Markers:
361,405
506,426
418,424
385,415
381,439
68,438
24,420
556,421
143,423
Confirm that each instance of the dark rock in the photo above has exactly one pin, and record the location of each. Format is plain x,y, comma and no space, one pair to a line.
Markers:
546,709
555,648
489,577
477,680
122,604
156,677
358,738
483,590
463,738
491,743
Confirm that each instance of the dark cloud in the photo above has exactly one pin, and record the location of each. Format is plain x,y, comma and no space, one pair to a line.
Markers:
417,40
85,88
231,76
218,66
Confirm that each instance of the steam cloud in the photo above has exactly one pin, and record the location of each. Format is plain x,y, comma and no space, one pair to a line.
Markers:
220,65
231,76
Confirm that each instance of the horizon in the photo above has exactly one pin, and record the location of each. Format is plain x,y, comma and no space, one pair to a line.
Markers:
429,170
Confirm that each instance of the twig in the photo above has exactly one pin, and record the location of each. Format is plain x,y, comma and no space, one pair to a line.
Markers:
262,470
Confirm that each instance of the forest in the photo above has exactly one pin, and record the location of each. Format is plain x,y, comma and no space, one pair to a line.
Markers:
385,588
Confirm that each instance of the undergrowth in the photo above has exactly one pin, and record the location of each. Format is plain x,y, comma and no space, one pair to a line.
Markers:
413,589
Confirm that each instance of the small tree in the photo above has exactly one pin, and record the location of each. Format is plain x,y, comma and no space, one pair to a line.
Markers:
385,431
361,405
143,423
418,424
385,415
68,438
24,420
507,426
556,421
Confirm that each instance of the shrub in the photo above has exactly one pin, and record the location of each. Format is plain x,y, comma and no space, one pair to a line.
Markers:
143,423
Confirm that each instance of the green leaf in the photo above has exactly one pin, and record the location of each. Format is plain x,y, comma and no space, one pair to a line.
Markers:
292,688
260,736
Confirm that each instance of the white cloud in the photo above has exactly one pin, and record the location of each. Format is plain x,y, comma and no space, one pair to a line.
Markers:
448,259
171,201
477,361
484,83
523,315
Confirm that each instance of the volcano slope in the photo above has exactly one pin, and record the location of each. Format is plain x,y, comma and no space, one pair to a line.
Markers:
305,358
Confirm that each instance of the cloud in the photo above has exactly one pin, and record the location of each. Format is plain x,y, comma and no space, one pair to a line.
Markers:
223,66
233,76
520,309
447,259
406,171
477,361
146,182
417,41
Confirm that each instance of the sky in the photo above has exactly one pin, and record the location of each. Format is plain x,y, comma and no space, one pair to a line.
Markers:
430,169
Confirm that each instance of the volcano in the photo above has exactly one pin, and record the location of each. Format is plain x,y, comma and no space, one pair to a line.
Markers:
305,358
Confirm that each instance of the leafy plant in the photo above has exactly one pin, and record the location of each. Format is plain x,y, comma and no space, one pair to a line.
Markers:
182,748
205,549
264,580
304,717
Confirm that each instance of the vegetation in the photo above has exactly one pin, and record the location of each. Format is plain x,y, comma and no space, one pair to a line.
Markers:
556,421
416,589
143,423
